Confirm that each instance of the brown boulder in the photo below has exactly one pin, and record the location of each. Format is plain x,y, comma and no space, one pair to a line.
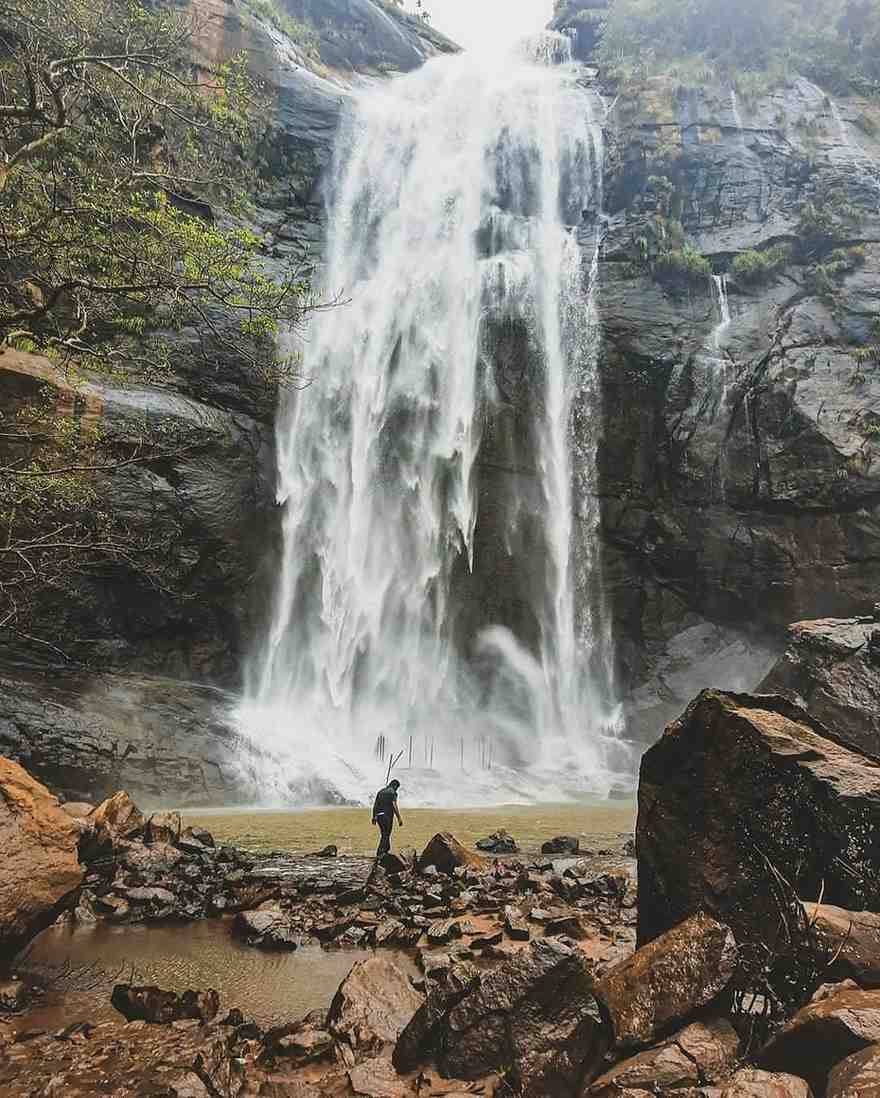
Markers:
851,939
534,1018
829,668
750,1083
858,1076
117,819
268,927
377,1078
301,1043
373,1005
152,1004
39,868
741,787
163,827
79,810
822,1034
446,853
663,983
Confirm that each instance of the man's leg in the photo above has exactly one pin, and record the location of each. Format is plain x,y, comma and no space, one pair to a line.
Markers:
385,826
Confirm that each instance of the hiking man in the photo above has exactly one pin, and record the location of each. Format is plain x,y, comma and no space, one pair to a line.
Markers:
384,812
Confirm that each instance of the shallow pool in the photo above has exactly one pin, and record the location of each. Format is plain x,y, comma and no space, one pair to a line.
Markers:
83,963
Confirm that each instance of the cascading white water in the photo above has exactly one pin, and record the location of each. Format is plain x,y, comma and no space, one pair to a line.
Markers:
719,288
454,206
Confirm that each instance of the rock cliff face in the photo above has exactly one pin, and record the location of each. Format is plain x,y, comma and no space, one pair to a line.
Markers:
208,507
739,465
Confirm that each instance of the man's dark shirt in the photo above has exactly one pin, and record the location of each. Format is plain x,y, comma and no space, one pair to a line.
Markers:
385,801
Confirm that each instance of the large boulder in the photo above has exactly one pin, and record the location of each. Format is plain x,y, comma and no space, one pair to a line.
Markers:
822,1034
267,927
446,853
739,790
117,820
858,1076
752,1083
39,869
703,1052
534,1018
373,1005
831,667
665,982
851,941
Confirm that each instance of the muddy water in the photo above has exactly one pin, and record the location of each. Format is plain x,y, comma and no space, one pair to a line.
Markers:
598,824
83,963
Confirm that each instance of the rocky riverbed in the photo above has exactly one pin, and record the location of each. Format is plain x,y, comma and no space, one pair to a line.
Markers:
738,956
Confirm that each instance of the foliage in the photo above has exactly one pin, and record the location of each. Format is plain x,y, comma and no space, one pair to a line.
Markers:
824,219
114,153
753,266
683,263
300,33
836,42
823,278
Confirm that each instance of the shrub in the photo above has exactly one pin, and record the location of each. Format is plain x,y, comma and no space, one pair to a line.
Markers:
753,266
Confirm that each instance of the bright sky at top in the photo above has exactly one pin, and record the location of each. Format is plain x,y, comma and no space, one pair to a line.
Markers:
476,24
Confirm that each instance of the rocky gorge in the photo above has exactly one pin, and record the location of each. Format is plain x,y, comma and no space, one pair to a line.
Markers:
731,948
739,955
736,459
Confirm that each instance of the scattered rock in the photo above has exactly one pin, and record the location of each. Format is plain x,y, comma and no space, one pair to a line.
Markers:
515,925
373,1005
562,844
152,1004
163,827
751,1083
445,853
852,940
822,1034
14,996
198,835
443,931
150,895
39,868
79,810
116,819
858,1076
664,982
568,926
534,1018
377,1078
393,864
267,928
499,842
302,1043
740,783
661,1068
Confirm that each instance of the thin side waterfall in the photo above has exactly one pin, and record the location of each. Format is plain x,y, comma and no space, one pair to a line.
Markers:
719,289
455,205
737,117
720,367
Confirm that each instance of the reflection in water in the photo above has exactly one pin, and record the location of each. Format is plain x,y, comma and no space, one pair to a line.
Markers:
269,988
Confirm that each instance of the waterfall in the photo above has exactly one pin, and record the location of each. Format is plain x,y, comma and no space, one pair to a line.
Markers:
719,288
737,117
455,205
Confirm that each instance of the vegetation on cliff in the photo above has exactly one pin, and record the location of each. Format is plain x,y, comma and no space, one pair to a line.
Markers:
115,151
835,42
116,154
